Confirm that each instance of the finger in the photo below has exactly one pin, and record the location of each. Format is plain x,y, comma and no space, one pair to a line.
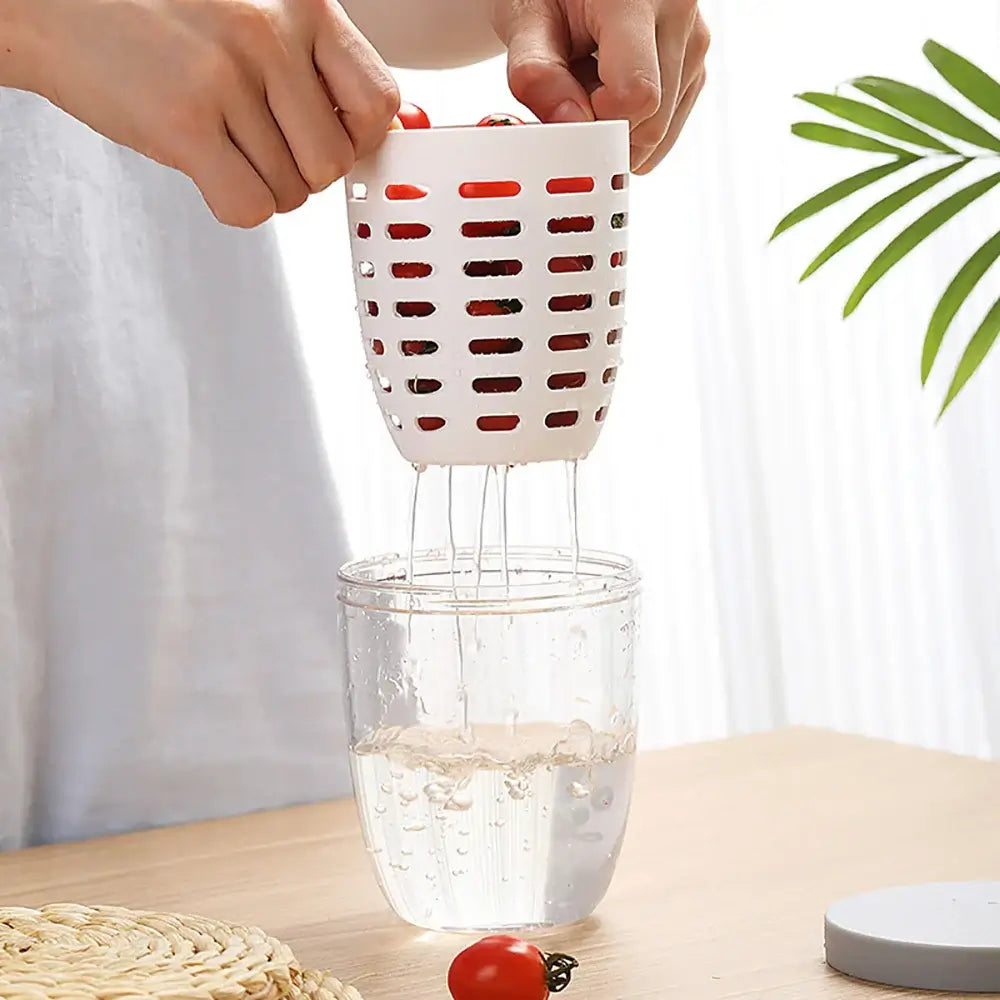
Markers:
358,81
256,135
680,63
231,187
538,63
627,60
684,108
313,131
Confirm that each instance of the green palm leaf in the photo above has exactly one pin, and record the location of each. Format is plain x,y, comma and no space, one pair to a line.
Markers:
978,348
834,136
951,301
837,192
969,80
927,109
879,212
916,233
875,120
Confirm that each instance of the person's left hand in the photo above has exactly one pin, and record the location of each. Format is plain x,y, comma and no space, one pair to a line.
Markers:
577,60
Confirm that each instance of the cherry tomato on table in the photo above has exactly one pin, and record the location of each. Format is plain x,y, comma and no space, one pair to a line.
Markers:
506,968
410,116
498,119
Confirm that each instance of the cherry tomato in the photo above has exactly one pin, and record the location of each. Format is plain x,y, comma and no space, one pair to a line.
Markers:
494,120
498,228
489,189
494,307
504,968
410,116
405,192
408,230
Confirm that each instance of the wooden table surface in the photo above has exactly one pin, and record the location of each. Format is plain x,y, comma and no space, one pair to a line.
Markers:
734,851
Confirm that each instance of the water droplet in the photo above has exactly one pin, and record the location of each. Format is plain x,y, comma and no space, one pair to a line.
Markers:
380,810
578,790
406,852
415,828
462,851
430,876
399,866
374,850
398,775
527,845
463,833
407,797
386,787
459,872
499,823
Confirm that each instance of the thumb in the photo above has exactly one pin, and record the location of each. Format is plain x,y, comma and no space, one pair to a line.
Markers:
538,70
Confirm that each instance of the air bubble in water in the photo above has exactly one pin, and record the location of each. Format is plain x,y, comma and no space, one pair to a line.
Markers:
461,801
438,791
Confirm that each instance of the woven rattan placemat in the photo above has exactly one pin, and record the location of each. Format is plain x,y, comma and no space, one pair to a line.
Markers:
71,952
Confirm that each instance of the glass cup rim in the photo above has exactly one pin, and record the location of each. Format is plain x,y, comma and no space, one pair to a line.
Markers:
602,578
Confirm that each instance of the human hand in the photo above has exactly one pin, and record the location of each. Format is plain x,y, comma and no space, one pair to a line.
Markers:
576,60
260,102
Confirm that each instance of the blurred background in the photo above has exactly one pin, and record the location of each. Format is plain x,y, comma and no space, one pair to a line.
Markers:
815,548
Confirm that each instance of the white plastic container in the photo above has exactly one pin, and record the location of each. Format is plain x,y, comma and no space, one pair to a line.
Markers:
490,271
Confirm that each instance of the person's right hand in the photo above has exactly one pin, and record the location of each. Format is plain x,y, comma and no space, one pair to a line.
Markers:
260,102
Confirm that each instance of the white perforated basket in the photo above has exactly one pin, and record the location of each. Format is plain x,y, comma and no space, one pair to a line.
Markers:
490,271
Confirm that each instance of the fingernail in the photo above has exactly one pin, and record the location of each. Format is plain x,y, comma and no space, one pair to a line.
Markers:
570,111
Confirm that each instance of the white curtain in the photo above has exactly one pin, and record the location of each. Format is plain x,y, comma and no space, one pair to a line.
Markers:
815,549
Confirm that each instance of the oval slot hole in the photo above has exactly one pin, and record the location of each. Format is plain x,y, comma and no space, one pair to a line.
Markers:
366,269
410,310
614,337
494,307
601,414
384,384
616,298
364,231
496,345
569,342
407,230
423,386
498,422
567,380
572,224
371,308
610,374
359,192
570,185
414,348
489,189
566,265
619,258
378,347
405,192
497,383
570,303
619,182
479,230
619,220
492,268
411,270
395,421
430,423
563,418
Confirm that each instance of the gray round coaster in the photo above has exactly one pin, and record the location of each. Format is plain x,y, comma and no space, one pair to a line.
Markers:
939,936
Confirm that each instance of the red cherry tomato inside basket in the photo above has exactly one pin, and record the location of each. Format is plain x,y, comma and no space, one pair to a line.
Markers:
411,116
494,120
505,968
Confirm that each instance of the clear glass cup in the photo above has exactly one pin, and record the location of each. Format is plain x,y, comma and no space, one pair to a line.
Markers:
493,730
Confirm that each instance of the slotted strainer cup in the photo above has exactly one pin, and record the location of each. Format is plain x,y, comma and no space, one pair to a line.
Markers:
490,266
